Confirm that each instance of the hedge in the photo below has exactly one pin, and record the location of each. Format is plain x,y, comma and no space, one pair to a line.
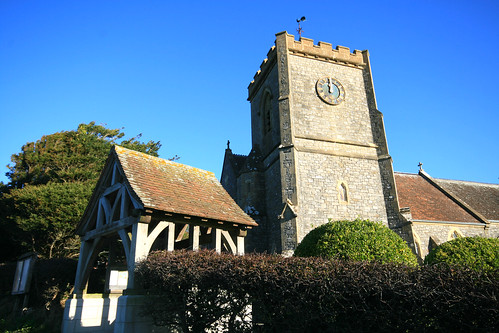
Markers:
194,292
357,240
477,253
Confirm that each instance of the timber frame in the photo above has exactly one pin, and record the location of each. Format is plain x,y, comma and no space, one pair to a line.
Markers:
118,213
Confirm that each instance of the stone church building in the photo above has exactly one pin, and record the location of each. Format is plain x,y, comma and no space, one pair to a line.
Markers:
319,152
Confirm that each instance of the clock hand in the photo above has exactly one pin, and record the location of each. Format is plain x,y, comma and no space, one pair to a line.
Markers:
330,84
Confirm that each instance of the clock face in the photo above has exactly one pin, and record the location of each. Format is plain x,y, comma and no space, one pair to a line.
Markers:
330,90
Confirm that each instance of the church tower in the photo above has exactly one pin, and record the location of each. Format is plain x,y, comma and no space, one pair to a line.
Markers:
319,149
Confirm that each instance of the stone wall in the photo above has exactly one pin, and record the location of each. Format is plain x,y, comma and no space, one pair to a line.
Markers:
319,179
274,203
442,232
349,121
335,145
266,141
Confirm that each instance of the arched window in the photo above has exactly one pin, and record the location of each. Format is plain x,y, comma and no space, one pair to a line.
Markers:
267,111
343,192
454,233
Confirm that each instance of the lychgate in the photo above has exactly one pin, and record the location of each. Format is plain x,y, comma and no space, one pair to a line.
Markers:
143,203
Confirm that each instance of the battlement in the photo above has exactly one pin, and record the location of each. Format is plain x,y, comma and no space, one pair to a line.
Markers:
265,66
305,48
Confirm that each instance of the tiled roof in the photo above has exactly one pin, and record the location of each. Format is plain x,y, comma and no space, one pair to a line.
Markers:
177,188
427,202
482,197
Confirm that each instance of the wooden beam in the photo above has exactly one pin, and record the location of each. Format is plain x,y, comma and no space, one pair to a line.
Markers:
195,220
107,229
125,240
230,242
111,189
88,254
181,233
155,233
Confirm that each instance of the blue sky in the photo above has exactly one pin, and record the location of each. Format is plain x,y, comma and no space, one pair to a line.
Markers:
178,73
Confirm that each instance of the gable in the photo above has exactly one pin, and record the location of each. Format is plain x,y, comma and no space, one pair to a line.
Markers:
132,182
112,199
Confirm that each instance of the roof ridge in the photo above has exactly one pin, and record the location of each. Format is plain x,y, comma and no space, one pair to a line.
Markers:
466,181
448,180
477,215
122,150
405,173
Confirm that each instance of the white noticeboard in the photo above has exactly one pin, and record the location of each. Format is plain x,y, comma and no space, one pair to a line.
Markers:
118,280
24,271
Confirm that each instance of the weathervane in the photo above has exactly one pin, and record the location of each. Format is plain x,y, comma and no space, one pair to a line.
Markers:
300,30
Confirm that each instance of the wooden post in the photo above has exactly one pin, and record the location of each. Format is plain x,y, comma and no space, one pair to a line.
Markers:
194,233
171,237
218,240
240,245
138,250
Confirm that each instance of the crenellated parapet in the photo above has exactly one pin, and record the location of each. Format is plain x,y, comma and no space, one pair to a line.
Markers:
261,74
305,48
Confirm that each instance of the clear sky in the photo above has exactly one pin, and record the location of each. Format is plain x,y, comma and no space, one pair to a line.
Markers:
178,73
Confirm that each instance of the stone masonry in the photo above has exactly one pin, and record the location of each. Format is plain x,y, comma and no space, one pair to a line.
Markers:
315,160
319,161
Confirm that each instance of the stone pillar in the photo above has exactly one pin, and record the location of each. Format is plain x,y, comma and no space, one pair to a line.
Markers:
289,237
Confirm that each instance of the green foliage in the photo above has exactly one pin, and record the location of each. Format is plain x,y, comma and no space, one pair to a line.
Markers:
44,216
70,156
478,253
25,324
51,181
359,240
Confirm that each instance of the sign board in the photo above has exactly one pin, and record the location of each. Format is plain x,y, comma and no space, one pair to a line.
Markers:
118,280
24,270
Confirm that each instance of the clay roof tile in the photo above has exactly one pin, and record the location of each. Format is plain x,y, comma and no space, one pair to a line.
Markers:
427,202
177,188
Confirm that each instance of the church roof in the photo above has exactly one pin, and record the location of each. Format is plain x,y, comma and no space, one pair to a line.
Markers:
482,197
430,201
178,188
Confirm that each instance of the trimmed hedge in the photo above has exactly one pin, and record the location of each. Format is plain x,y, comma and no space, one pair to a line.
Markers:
477,253
359,240
193,292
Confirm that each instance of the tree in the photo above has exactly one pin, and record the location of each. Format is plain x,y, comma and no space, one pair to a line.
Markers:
51,181
70,156
477,253
359,240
